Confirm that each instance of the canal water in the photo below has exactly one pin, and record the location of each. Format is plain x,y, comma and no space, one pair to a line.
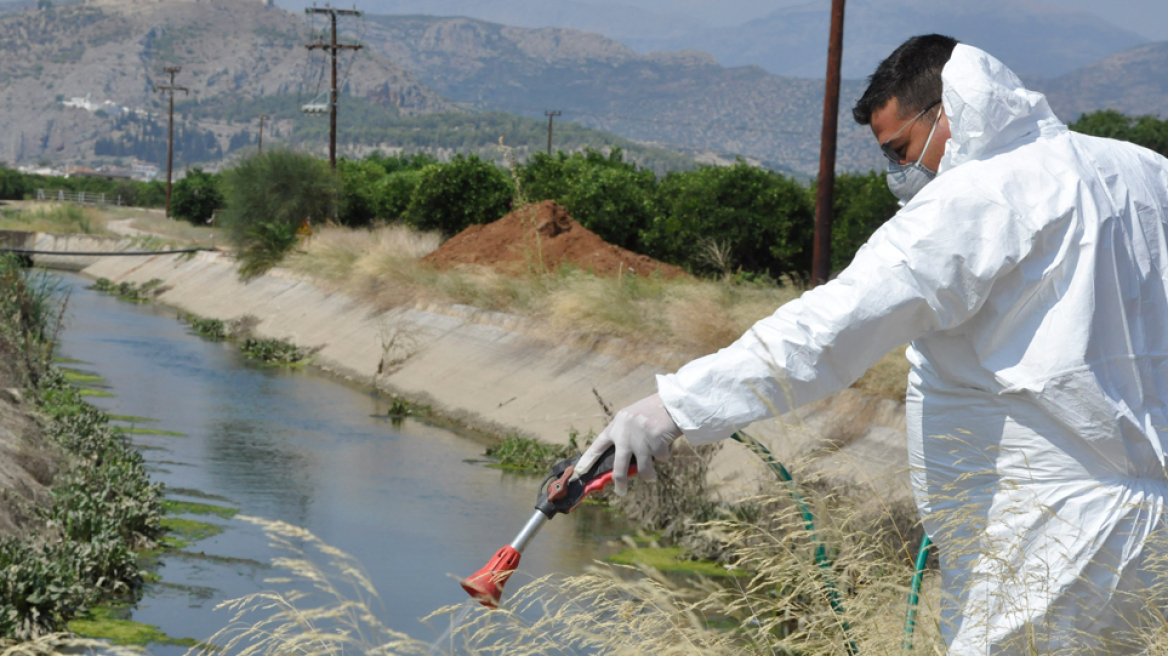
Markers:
416,505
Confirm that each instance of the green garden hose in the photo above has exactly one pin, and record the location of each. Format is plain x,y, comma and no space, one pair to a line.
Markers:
914,594
821,558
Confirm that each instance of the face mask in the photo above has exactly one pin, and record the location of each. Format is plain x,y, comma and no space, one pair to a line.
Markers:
907,180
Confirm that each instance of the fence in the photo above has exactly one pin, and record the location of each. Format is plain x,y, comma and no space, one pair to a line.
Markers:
79,197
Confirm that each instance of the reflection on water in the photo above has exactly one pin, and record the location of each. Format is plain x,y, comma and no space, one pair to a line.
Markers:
297,447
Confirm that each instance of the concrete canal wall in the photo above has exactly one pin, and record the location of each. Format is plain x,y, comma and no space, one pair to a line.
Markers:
495,372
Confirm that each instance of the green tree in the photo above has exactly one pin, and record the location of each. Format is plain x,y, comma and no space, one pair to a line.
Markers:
861,204
196,197
716,219
605,194
394,192
359,182
268,197
450,197
13,184
1147,131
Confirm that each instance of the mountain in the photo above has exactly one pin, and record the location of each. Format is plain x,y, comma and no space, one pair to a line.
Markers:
789,37
1134,81
1029,37
613,19
683,98
116,50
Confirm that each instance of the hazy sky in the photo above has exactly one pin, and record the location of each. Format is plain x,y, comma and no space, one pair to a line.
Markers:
1145,17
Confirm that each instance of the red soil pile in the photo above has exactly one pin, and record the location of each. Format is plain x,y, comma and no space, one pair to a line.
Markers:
538,237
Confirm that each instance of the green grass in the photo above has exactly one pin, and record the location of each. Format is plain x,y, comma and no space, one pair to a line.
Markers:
522,454
670,559
173,507
273,351
111,623
135,430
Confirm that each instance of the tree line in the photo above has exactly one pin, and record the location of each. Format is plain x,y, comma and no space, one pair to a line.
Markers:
736,219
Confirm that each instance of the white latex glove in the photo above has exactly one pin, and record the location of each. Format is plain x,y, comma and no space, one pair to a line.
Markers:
645,430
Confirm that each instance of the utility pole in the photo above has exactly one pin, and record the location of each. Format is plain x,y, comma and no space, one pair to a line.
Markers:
172,70
551,117
263,117
821,253
333,48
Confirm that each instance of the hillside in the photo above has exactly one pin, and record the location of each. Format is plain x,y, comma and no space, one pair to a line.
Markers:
1134,81
683,98
789,37
116,50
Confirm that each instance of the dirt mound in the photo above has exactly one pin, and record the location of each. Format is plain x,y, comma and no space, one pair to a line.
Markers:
542,236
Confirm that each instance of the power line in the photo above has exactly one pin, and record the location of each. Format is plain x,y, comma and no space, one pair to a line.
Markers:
172,70
333,47
621,117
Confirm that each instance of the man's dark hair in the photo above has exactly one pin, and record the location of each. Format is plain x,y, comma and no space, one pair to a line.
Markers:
911,74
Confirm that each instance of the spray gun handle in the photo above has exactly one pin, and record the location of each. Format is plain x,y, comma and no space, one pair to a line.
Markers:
561,493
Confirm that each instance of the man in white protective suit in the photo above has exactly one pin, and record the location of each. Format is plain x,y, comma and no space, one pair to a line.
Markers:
1029,276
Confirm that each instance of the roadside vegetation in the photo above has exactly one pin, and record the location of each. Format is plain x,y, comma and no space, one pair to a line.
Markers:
80,545
52,217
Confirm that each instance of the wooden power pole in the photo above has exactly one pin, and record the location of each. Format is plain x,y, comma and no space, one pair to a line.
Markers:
171,88
263,117
821,253
333,48
551,117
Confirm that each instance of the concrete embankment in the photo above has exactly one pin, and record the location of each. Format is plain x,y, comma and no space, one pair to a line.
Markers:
49,242
495,372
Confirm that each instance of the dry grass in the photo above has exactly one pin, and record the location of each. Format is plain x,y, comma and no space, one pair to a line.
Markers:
888,378
155,222
687,316
52,217
780,607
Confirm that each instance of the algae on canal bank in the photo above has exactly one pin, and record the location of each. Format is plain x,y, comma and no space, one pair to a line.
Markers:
112,622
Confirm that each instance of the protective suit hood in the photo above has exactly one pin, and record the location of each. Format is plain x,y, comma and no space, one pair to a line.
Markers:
989,110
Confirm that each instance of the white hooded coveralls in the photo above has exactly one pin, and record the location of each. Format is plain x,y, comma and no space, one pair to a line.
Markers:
1030,277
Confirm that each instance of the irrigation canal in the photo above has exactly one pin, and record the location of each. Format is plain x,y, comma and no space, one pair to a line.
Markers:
415,504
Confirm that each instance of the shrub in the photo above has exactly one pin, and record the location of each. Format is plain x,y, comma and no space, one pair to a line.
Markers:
196,197
13,184
358,182
605,194
861,204
757,220
268,197
394,192
1147,131
452,196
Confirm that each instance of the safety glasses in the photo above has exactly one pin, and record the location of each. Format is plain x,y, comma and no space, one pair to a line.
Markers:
887,148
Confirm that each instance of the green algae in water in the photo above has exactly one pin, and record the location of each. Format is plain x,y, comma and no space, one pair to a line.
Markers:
198,494
173,507
132,419
138,430
182,532
90,392
76,376
111,623
669,559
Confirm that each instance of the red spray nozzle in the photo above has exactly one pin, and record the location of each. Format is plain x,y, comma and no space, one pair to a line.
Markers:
486,585
560,493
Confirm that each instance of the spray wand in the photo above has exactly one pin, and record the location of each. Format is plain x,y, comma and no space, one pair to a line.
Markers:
560,493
